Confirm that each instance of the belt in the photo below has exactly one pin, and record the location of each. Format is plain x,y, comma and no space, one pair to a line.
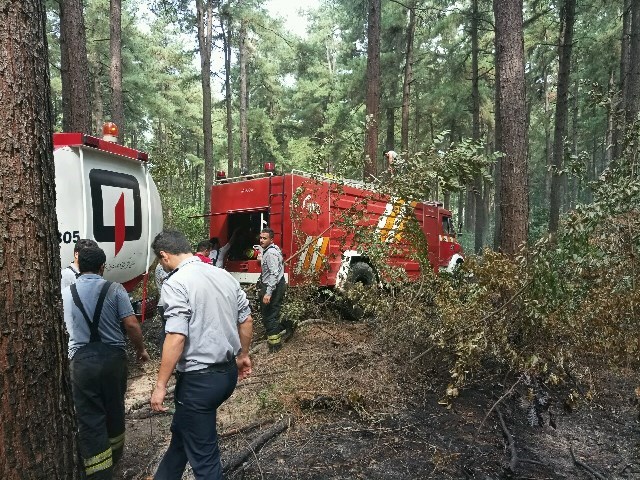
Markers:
211,368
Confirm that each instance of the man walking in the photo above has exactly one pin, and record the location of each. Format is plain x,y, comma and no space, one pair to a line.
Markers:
271,290
208,334
95,312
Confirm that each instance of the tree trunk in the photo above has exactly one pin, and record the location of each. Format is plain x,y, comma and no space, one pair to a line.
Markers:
74,68
625,41
244,128
36,434
205,34
475,95
633,89
565,45
226,37
115,44
512,118
408,79
373,91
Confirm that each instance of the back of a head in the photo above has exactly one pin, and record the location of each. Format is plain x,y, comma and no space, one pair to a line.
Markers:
214,242
91,259
84,243
171,241
204,245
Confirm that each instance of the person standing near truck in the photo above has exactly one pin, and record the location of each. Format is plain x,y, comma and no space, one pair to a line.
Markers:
96,314
271,289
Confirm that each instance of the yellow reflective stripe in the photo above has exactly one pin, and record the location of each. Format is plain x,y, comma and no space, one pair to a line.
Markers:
97,458
273,339
323,250
117,442
100,466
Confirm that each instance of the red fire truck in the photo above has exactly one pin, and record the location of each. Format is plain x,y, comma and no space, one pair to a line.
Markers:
319,223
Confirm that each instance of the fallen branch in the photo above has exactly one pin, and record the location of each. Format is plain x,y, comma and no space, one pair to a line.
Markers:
311,321
141,414
513,463
498,402
585,466
245,428
141,403
256,445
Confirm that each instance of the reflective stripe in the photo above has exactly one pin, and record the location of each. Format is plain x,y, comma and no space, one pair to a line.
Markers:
117,442
99,467
97,458
273,339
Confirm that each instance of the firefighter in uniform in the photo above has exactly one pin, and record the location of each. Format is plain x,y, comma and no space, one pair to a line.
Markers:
271,290
208,334
96,314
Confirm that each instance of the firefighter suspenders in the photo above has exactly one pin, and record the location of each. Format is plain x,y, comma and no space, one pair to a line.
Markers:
93,326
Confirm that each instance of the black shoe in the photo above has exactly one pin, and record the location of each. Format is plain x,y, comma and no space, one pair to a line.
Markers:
275,347
290,325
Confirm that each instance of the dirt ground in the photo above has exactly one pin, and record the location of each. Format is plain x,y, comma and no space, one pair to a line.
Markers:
346,409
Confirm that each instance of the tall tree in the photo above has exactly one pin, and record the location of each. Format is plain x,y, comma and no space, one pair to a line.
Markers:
36,434
373,90
74,68
204,21
632,101
408,78
115,47
244,99
475,100
514,200
565,45
225,27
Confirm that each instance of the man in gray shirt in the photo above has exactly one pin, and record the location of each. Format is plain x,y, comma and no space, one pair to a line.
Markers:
96,314
208,334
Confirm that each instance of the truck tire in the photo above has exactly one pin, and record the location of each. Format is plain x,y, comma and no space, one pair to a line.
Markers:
363,274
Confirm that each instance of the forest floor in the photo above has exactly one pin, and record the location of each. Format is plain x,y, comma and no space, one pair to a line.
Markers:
333,404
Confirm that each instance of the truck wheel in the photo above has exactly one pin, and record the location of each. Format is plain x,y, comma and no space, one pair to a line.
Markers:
363,274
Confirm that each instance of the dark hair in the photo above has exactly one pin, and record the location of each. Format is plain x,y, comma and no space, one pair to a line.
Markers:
84,243
269,231
171,241
204,245
90,259
214,241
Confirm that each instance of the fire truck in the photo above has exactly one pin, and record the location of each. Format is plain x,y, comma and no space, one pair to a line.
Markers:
319,222
104,192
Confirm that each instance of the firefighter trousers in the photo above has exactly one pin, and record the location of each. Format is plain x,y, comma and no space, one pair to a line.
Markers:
194,437
271,311
99,382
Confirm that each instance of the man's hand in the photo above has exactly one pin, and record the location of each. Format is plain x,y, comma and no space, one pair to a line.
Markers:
244,366
266,299
157,398
143,356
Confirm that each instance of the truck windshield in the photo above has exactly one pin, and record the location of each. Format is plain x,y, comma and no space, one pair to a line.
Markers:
447,226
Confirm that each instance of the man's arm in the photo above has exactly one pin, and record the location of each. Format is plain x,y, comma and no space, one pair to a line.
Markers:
245,331
171,352
134,332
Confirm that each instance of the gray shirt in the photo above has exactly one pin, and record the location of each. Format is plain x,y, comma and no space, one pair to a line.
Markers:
69,275
205,304
116,307
272,267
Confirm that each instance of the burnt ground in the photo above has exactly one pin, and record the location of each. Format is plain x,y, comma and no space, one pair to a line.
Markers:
348,410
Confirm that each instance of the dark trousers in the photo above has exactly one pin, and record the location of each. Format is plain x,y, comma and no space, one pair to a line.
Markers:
271,311
99,382
194,436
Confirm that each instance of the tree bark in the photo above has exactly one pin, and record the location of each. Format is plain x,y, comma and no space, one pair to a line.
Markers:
625,41
373,91
205,34
115,46
36,432
475,95
514,201
408,79
74,68
633,89
244,97
565,45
